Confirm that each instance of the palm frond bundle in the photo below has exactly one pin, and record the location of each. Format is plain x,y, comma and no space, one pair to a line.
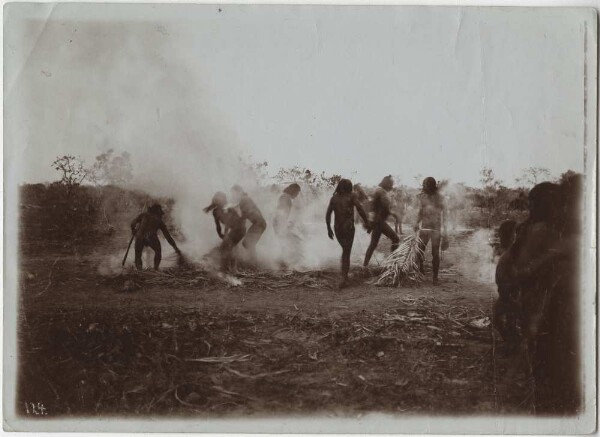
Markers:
402,265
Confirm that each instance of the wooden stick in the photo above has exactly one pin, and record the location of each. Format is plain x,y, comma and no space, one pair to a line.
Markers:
127,252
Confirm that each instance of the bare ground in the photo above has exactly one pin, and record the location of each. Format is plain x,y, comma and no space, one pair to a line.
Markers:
88,348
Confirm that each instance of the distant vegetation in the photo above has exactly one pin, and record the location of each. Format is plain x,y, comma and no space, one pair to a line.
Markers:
88,202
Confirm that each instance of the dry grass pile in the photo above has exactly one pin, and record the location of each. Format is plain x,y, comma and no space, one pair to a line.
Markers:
402,265
274,280
197,276
173,277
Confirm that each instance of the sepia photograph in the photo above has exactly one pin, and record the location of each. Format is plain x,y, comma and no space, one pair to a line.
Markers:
299,218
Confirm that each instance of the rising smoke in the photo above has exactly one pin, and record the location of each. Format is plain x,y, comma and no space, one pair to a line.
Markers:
133,92
180,147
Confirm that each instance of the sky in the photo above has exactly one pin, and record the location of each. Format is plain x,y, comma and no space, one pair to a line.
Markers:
357,91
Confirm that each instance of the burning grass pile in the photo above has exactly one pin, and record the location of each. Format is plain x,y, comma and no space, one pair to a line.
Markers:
194,276
273,280
402,265
173,277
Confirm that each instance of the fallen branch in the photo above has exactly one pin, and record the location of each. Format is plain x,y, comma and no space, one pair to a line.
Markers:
49,278
233,393
184,403
219,360
259,375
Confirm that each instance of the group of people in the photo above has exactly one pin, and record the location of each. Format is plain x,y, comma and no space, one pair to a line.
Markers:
538,286
233,218
430,224
537,272
234,222
230,222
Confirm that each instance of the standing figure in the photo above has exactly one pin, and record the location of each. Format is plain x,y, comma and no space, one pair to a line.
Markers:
381,211
562,349
343,202
249,211
507,308
529,272
432,217
284,207
289,241
145,228
363,199
455,204
544,271
507,232
235,230
398,208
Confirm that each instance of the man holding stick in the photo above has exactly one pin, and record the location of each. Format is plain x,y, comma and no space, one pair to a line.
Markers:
145,228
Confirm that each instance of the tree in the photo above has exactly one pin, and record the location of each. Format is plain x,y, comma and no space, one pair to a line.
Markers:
307,176
492,187
488,179
110,169
72,171
532,175
254,171
329,181
566,176
292,174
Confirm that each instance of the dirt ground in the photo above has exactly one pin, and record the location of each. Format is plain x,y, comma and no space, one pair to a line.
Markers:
89,348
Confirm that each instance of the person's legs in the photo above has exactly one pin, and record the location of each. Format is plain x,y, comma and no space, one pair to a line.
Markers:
346,250
435,253
248,241
389,232
563,356
252,236
500,318
139,249
507,315
225,249
545,398
424,237
235,236
375,235
154,243
346,239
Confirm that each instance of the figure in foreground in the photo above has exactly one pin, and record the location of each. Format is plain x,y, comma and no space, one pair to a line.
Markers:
381,211
145,227
249,211
235,229
342,204
431,223
539,274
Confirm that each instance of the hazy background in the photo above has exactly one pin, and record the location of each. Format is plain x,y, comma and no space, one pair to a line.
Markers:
358,91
